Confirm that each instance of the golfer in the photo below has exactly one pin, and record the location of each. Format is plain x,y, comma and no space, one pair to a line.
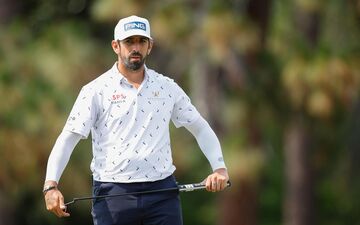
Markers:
128,110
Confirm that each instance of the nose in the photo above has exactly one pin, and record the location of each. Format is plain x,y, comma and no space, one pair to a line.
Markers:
136,46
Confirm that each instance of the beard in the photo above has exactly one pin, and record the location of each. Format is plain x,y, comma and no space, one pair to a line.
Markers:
134,65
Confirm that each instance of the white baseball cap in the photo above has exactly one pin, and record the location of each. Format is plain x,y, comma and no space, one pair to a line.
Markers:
130,26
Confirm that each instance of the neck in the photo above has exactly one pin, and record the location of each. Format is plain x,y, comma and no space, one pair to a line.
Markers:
135,77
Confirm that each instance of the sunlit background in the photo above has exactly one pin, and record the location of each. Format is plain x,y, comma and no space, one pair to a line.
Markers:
278,80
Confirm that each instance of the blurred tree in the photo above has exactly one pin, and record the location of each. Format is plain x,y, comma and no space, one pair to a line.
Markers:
320,86
278,80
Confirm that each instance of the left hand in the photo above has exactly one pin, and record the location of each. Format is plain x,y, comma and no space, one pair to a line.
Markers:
217,181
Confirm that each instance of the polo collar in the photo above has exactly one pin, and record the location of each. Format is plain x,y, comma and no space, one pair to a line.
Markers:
116,71
149,78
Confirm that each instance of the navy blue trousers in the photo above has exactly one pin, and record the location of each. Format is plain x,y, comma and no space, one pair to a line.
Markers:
161,208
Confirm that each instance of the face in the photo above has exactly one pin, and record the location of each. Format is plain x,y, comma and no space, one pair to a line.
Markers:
132,51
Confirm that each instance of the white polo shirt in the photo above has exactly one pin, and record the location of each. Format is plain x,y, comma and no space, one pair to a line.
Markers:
129,126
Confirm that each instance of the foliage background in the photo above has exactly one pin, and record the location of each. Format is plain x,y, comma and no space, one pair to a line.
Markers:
278,81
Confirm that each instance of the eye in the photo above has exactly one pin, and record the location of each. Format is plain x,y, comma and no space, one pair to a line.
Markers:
127,41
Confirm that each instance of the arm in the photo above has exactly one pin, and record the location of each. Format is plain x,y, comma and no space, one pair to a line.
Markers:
210,146
58,159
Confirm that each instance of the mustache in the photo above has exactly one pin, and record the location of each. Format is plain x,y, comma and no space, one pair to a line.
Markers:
136,54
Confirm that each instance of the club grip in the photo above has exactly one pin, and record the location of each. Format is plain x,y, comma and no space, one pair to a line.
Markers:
192,187
228,184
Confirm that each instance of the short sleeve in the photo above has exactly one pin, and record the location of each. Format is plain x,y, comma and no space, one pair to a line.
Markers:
184,112
83,113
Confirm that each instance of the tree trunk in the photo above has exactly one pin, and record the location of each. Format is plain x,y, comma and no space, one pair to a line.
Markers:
298,198
6,213
238,205
8,9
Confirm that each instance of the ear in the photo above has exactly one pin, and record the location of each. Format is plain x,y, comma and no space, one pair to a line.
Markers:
115,46
151,43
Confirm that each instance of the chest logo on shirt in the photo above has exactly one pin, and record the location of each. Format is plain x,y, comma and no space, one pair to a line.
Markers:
156,94
118,98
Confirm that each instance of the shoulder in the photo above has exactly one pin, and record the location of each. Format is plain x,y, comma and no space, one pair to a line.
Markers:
160,78
99,83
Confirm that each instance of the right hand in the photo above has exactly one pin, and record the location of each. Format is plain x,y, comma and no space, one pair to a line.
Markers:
54,201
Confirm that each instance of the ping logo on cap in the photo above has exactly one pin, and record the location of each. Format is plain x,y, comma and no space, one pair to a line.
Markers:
135,25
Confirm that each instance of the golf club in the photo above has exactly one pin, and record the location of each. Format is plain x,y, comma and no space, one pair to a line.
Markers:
180,188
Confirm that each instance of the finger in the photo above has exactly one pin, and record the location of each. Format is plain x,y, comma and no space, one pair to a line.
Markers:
218,186
214,184
51,205
214,188
57,210
208,184
217,182
222,184
62,207
61,212
64,212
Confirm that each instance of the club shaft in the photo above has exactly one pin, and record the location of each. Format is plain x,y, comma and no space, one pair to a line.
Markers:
180,188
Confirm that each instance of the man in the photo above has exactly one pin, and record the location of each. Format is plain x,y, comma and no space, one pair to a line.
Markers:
128,110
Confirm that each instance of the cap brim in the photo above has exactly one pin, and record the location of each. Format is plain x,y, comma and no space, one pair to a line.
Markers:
133,33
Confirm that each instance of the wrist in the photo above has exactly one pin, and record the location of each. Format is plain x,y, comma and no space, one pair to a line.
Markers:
48,186
220,170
